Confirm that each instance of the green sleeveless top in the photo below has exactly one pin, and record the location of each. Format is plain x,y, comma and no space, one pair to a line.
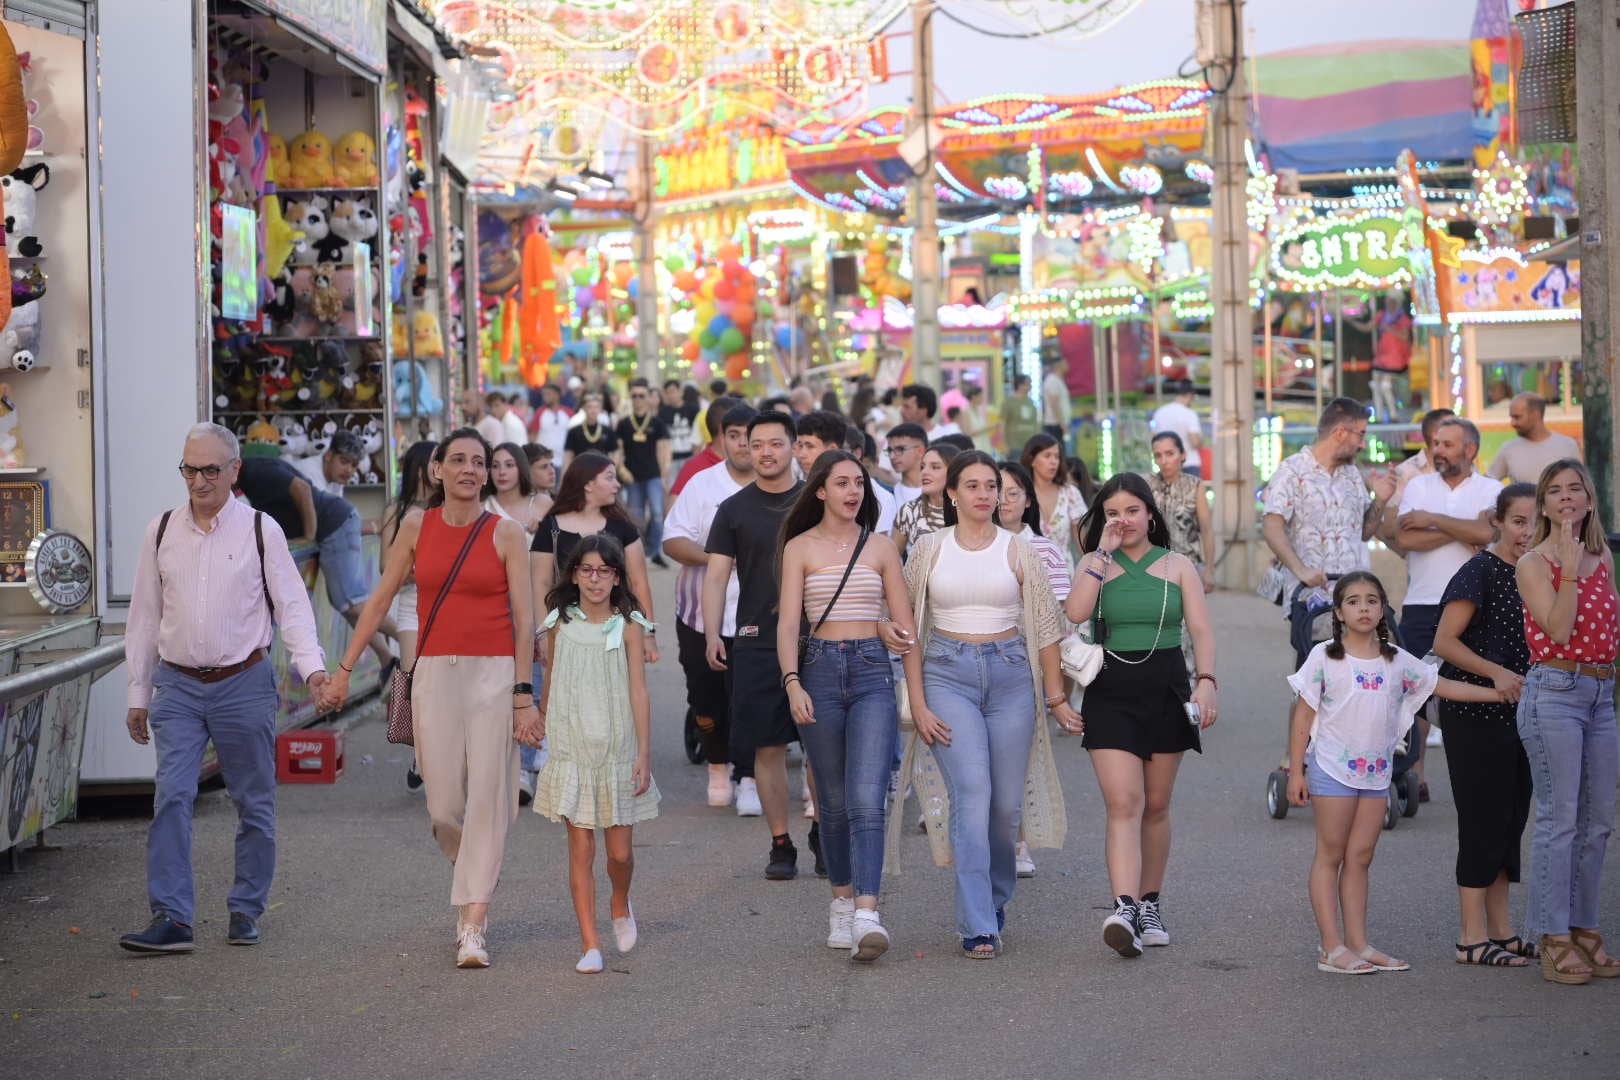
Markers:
1131,602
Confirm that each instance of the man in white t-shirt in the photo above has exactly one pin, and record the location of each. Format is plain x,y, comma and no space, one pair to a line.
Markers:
332,470
1444,519
481,420
1177,415
551,419
1522,459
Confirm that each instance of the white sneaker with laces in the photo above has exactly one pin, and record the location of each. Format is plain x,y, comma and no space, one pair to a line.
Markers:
1023,860
841,923
470,950
719,785
590,963
748,798
1151,924
1119,930
526,782
870,939
624,932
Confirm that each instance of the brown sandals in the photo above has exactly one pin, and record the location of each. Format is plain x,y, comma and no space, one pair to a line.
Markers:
1555,952
1589,943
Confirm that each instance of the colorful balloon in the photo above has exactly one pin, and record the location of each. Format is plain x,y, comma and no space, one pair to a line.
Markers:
732,340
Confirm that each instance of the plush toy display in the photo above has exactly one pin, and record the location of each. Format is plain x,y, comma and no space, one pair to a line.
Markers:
309,218
14,111
425,334
279,168
27,282
354,220
19,341
355,160
262,433
281,237
325,302
413,389
311,161
21,190
11,451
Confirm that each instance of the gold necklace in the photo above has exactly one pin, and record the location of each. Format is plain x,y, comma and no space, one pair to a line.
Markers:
591,436
641,428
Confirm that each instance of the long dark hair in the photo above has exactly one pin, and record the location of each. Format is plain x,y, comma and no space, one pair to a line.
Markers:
581,471
953,476
1090,527
566,592
807,510
414,477
521,460
1039,443
1032,505
443,449
1335,647
1080,477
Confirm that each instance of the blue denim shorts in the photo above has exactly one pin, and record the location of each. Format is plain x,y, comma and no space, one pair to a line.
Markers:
1318,782
342,565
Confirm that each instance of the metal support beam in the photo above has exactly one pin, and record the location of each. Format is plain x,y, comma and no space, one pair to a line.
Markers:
925,258
1597,73
647,343
1233,384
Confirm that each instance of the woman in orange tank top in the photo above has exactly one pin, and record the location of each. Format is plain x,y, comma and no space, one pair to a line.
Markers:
477,633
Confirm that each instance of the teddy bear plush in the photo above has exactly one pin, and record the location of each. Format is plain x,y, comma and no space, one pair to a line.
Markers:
325,301
355,160
310,156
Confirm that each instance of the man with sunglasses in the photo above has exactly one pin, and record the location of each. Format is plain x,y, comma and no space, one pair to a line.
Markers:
213,579
647,449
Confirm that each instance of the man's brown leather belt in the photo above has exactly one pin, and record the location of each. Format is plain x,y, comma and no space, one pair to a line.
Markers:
1596,671
219,674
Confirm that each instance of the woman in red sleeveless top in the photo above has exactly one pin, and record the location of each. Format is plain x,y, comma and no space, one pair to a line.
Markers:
467,704
1566,720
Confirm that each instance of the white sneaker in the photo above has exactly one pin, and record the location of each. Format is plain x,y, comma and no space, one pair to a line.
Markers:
1151,924
841,923
806,794
809,808
719,785
1435,738
526,782
624,932
1023,861
870,939
590,963
748,798
470,950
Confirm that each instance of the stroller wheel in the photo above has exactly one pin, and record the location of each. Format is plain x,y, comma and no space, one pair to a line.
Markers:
1409,793
694,739
1392,808
1277,794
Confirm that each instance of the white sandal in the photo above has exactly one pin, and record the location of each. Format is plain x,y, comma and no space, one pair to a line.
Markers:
1369,952
1328,962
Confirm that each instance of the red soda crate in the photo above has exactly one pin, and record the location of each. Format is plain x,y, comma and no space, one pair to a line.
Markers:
311,756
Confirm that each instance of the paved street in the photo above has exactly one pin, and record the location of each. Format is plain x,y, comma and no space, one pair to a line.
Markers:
355,977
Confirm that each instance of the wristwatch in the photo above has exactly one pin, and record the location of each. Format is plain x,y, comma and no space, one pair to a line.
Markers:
523,688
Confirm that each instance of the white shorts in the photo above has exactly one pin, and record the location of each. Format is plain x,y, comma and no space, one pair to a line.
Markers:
403,610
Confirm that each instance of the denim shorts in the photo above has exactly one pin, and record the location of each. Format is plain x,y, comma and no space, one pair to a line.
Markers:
343,566
1318,782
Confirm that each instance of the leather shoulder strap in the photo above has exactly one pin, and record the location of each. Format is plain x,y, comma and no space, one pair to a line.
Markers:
449,582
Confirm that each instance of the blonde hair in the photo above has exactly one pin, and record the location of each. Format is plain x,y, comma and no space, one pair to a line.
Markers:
1593,537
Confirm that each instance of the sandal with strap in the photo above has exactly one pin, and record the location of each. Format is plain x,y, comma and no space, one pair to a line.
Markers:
1383,961
1555,952
982,947
1489,954
1589,943
1341,961
1517,946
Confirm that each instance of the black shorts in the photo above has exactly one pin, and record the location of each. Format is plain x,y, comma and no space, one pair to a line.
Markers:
1140,707
705,687
759,705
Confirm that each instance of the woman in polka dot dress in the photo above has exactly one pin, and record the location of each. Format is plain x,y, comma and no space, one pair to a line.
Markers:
1566,720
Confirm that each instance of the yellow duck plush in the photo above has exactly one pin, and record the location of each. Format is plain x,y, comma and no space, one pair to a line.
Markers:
310,156
278,169
355,160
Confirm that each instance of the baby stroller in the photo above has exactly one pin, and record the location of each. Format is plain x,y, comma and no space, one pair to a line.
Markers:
1310,613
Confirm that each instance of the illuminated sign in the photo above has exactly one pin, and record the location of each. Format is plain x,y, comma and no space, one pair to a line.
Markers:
720,162
1366,251
782,226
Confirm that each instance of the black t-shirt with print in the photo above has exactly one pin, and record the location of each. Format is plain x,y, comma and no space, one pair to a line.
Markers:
578,442
641,454
745,528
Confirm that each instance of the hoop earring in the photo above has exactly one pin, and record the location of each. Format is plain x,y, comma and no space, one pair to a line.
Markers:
953,502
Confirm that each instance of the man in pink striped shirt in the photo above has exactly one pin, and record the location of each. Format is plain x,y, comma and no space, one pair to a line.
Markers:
213,577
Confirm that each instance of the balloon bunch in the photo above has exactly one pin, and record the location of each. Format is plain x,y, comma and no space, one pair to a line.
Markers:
725,300
877,277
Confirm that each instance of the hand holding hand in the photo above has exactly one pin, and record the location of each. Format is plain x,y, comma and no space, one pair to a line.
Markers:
526,726
1068,719
333,689
896,638
1509,684
799,704
138,730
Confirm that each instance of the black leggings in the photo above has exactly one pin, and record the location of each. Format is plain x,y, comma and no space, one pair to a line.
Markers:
707,698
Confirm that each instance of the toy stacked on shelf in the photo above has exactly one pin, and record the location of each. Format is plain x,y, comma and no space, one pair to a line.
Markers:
310,359
418,363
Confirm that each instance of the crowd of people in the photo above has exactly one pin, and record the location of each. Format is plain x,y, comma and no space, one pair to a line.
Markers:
875,586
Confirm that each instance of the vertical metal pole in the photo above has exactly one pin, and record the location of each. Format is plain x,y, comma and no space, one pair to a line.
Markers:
1157,345
1338,343
925,269
1316,351
1265,319
1113,371
1233,352
1597,43
647,344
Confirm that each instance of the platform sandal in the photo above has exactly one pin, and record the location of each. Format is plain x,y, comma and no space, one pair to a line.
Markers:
982,947
1589,943
1517,946
1555,952
1489,954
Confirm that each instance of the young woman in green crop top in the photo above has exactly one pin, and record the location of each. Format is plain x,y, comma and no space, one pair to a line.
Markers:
1139,710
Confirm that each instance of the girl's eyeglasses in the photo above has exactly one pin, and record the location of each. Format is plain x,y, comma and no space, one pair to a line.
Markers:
605,573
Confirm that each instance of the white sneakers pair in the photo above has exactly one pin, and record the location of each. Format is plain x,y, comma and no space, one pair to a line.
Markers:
624,937
1023,861
470,949
859,931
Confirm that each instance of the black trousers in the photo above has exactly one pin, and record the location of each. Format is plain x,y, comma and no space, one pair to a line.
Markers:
1492,787
710,704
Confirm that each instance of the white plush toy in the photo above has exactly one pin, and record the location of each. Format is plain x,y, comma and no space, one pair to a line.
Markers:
19,342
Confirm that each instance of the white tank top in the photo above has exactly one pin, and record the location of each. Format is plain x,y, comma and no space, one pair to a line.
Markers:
975,592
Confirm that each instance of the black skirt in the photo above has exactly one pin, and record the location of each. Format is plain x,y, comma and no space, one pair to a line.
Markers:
1140,707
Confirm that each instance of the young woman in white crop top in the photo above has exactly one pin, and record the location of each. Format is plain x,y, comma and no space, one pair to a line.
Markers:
838,576
989,630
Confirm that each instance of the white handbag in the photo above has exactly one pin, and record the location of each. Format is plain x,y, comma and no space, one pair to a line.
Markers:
1081,659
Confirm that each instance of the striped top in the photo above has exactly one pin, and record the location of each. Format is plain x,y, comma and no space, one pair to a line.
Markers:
861,600
1054,560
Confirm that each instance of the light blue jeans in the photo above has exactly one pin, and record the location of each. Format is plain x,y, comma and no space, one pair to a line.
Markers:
982,691
851,746
239,715
529,758
645,501
1566,722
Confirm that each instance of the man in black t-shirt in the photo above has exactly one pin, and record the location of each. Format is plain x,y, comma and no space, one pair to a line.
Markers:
590,434
680,416
309,516
744,536
644,439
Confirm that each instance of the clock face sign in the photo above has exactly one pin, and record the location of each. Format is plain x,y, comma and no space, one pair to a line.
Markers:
58,571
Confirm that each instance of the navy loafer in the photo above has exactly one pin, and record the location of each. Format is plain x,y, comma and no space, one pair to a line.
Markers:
163,936
243,931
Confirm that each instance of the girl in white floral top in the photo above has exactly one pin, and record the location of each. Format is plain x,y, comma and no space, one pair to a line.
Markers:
1358,695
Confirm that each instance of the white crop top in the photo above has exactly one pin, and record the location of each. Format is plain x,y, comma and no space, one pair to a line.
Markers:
975,592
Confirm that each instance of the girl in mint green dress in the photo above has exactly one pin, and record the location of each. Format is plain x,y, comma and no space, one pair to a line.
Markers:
596,721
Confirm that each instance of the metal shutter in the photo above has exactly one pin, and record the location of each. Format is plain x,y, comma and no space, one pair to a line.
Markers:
60,16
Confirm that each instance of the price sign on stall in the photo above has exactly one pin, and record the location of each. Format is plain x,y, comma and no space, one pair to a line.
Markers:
1367,251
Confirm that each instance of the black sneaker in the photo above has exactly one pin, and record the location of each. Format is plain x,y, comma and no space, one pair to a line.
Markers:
413,779
1150,923
815,848
243,931
1119,929
163,936
784,864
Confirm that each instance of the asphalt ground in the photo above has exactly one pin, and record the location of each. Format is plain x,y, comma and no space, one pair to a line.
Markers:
732,978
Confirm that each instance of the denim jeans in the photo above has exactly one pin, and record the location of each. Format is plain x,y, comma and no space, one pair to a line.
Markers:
850,745
239,715
343,567
982,691
645,500
529,757
1567,724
